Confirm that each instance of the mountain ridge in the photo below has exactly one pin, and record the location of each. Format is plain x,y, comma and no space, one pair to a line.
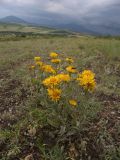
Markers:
13,19
85,28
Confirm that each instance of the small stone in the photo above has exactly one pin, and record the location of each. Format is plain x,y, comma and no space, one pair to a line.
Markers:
113,113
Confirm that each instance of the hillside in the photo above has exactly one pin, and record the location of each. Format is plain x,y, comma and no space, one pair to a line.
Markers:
29,30
33,126
23,28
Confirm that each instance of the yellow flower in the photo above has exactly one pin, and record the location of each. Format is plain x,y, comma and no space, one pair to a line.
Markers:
71,69
53,55
51,81
56,60
39,63
48,69
56,80
54,93
87,80
70,60
88,73
37,58
63,77
73,102
32,67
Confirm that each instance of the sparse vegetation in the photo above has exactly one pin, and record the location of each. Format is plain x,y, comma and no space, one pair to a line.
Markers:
32,128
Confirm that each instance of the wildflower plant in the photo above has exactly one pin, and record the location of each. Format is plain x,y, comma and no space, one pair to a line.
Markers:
61,85
53,79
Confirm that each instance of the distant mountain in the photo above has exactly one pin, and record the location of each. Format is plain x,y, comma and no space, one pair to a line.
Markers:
12,19
76,28
107,28
87,28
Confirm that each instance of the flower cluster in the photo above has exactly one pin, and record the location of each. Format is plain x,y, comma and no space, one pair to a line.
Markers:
57,78
87,80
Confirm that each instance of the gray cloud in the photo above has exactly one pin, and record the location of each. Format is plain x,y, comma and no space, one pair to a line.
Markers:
45,11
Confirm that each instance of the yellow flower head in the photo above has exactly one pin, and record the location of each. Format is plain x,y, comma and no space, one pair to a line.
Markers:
88,73
48,69
70,60
53,55
73,102
39,63
54,93
87,80
71,69
32,67
51,81
56,60
37,58
63,77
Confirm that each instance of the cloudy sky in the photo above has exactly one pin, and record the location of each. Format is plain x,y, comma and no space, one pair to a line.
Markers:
63,11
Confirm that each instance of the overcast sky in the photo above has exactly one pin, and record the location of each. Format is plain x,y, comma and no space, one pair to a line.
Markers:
61,11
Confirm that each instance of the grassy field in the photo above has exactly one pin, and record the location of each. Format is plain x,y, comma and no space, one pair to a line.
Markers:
24,28
30,130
